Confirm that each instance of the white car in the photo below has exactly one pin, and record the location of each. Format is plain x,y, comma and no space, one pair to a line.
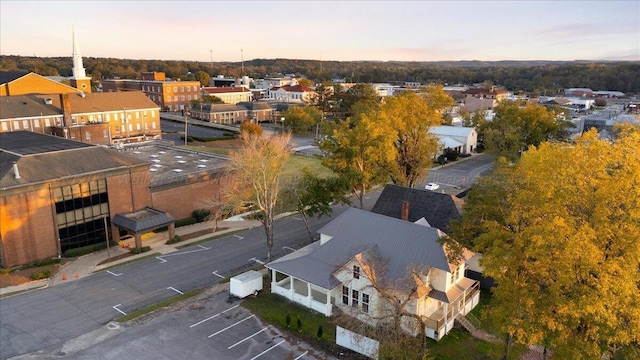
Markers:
432,186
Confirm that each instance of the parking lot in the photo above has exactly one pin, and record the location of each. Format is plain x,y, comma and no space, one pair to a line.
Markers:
212,326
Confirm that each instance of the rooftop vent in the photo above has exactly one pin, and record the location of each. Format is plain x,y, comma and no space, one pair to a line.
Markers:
48,101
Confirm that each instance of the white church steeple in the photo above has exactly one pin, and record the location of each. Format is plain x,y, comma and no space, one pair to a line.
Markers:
79,80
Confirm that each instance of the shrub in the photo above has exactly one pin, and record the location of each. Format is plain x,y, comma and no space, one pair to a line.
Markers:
5,271
299,324
84,250
140,250
288,320
38,275
41,263
319,333
201,214
186,221
175,239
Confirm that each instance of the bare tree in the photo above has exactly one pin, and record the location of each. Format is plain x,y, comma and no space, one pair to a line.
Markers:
257,168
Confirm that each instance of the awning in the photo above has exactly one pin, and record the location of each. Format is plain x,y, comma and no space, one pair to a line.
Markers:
142,221
450,143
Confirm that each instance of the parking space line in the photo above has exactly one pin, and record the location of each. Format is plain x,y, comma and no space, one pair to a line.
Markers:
248,337
303,354
118,310
229,327
269,349
218,275
201,248
176,290
114,274
213,317
256,260
288,248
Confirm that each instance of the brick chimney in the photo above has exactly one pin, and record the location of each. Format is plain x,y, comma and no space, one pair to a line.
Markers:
405,211
65,103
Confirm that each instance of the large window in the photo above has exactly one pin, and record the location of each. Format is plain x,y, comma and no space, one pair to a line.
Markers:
80,209
356,272
345,295
354,298
365,302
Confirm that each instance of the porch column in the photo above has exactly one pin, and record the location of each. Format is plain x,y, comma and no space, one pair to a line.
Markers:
309,298
291,288
172,230
138,241
328,303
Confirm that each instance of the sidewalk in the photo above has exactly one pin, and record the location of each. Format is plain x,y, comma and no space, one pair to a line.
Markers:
88,264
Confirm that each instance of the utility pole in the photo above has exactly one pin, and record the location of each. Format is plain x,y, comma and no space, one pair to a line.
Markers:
211,52
106,235
186,118
242,61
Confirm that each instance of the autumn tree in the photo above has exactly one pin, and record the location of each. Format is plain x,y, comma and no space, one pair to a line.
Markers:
411,116
516,127
562,245
251,129
301,119
258,167
203,77
359,151
362,94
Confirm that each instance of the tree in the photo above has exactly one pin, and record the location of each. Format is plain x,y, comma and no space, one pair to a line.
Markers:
358,151
257,168
301,119
364,94
411,116
515,128
251,129
313,195
203,77
563,245
304,82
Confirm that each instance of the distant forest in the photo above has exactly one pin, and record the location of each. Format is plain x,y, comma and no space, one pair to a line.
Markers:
531,77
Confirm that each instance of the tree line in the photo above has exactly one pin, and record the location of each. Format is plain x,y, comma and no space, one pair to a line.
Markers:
530,77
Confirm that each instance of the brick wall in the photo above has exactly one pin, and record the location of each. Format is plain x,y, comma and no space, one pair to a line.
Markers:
181,201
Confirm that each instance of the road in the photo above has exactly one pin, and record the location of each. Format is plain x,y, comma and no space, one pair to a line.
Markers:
45,320
174,131
460,174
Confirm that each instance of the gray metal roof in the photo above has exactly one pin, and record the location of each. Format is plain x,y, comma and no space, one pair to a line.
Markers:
403,244
143,220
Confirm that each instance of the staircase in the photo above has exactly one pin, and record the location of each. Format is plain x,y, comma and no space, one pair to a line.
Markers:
462,320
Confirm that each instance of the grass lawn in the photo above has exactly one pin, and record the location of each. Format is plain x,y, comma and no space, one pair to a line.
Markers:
460,344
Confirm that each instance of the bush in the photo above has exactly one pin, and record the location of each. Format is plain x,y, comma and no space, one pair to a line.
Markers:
140,250
288,320
84,250
299,324
186,221
41,263
319,333
201,214
5,271
38,275
225,136
175,239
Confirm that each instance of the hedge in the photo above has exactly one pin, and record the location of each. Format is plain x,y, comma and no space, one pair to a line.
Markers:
84,250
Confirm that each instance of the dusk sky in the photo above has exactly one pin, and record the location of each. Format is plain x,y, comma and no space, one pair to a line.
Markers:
324,30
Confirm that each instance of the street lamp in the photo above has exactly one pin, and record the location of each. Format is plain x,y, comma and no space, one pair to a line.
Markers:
282,123
186,121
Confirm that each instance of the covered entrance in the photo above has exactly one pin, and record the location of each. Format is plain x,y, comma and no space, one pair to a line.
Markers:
143,221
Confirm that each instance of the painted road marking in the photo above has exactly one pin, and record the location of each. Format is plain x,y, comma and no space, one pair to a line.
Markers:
303,354
114,274
162,258
118,310
256,260
298,218
238,236
269,349
229,327
214,316
176,290
218,275
248,337
288,248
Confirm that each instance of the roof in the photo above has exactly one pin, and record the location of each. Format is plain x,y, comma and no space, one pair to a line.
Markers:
143,220
255,105
452,131
229,89
437,208
477,91
26,106
9,76
35,153
450,143
294,88
356,231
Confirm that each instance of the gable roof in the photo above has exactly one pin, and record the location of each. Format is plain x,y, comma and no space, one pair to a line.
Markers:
27,106
400,243
9,76
452,130
437,208
32,83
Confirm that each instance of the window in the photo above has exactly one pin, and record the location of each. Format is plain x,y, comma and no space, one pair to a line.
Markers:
365,302
354,298
168,89
175,98
4,126
356,272
36,123
345,295
175,89
181,88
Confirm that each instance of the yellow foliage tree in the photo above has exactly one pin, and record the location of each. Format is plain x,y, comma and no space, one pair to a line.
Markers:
564,246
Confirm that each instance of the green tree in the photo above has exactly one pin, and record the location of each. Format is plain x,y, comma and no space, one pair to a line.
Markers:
301,119
411,116
363,94
358,151
257,168
562,245
203,78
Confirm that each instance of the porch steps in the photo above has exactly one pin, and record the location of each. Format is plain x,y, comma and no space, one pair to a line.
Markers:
462,320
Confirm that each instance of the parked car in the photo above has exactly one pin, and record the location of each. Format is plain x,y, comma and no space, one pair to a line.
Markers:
432,186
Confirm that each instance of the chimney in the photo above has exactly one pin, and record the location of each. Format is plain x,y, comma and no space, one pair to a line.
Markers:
405,211
15,170
66,109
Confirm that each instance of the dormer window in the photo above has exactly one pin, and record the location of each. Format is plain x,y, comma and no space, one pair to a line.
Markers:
356,272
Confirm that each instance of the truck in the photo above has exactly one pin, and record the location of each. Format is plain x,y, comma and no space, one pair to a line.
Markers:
246,284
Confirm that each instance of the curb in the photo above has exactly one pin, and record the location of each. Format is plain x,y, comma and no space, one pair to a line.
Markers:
32,285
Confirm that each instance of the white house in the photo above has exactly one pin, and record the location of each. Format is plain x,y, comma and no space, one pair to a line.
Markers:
361,252
229,94
291,93
461,139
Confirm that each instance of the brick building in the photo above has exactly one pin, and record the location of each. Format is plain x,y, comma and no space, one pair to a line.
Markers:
254,112
169,95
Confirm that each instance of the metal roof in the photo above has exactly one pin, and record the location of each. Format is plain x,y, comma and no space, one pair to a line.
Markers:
144,220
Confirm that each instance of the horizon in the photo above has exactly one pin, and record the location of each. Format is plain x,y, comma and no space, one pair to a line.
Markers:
342,31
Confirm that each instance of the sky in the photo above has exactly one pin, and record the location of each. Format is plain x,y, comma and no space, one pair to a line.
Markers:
324,30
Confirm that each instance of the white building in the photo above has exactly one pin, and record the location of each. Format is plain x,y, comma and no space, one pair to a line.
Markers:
358,252
458,138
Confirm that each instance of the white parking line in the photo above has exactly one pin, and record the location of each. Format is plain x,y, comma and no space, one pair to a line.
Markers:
288,248
118,310
269,349
176,290
248,337
218,275
238,236
256,260
214,316
303,354
202,248
229,327
114,274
